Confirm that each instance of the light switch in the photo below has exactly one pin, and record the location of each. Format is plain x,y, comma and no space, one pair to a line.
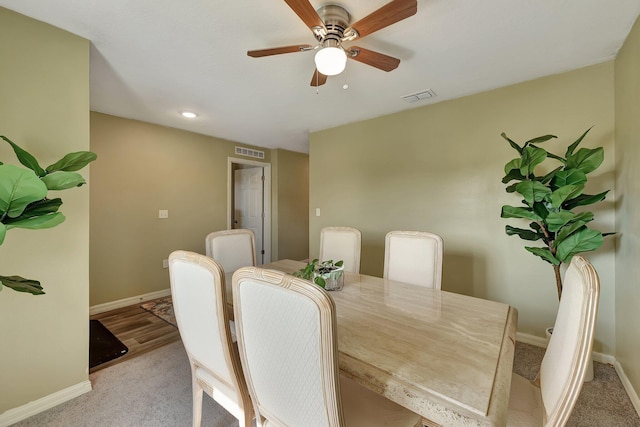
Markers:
317,211
163,213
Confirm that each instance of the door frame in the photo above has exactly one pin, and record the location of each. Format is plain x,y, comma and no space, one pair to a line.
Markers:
267,199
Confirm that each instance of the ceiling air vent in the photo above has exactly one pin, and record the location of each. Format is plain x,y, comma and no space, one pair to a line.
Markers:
418,96
249,152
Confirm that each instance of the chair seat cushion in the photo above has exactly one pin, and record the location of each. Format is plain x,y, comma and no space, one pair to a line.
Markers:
364,408
525,404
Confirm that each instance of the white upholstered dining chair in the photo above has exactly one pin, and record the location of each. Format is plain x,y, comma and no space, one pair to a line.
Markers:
288,347
549,400
341,244
200,305
232,248
413,257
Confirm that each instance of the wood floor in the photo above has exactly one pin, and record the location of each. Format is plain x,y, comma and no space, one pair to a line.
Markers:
138,329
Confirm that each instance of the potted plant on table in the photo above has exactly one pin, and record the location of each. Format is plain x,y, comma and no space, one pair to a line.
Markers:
326,274
549,200
24,202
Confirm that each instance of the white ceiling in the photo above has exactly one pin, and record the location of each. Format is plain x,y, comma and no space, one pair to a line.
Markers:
151,59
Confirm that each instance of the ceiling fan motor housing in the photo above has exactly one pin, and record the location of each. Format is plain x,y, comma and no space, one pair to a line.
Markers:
336,20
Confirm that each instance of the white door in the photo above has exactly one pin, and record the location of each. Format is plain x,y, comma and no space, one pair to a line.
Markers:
249,205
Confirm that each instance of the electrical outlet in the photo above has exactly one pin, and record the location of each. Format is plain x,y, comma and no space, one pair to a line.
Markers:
163,214
165,263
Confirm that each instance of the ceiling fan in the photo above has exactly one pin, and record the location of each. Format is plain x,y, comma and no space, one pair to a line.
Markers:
331,26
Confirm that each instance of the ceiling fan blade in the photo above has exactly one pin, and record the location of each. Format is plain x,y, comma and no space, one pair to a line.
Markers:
318,79
390,13
278,50
375,59
306,12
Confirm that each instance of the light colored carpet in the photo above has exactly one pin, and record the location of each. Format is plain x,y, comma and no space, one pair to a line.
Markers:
151,390
154,390
603,402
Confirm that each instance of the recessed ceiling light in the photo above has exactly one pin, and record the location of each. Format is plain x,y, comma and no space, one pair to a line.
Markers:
189,114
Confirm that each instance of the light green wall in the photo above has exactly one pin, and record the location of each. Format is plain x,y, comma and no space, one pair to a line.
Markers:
438,168
627,90
291,171
44,107
144,168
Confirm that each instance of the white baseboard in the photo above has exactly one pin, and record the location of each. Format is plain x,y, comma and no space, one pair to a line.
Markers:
20,413
628,387
542,342
108,306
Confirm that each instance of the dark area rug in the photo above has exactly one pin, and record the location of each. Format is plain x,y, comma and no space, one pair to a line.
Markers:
103,345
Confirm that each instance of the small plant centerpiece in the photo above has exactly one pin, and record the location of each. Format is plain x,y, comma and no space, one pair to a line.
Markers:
24,202
326,274
550,200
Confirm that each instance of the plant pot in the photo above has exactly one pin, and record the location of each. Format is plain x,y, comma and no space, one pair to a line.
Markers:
334,280
589,375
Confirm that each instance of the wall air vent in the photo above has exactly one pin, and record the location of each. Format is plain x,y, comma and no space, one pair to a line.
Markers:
419,96
250,153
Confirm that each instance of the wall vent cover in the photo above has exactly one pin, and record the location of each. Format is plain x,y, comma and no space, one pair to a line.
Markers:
418,96
250,153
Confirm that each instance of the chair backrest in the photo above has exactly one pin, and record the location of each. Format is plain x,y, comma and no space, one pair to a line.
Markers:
413,257
232,248
286,337
200,306
568,354
341,243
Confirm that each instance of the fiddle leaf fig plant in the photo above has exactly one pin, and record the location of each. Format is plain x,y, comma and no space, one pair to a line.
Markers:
24,202
549,200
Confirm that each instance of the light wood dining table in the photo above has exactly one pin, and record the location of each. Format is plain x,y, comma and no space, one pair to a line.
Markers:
445,356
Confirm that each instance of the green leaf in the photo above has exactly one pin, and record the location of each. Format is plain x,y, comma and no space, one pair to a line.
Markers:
573,146
522,233
513,174
541,210
509,167
25,158
38,222
556,220
544,253
41,207
18,188
518,212
531,157
569,177
584,216
553,156
511,188
540,139
20,284
320,281
586,159
339,263
3,232
584,200
563,193
63,180
548,177
72,162
582,241
568,230
532,191
512,143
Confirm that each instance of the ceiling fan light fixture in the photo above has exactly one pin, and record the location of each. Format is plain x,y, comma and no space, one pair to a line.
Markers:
331,60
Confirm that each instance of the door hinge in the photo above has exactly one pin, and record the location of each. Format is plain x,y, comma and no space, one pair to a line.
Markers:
262,178
262,252
263,215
